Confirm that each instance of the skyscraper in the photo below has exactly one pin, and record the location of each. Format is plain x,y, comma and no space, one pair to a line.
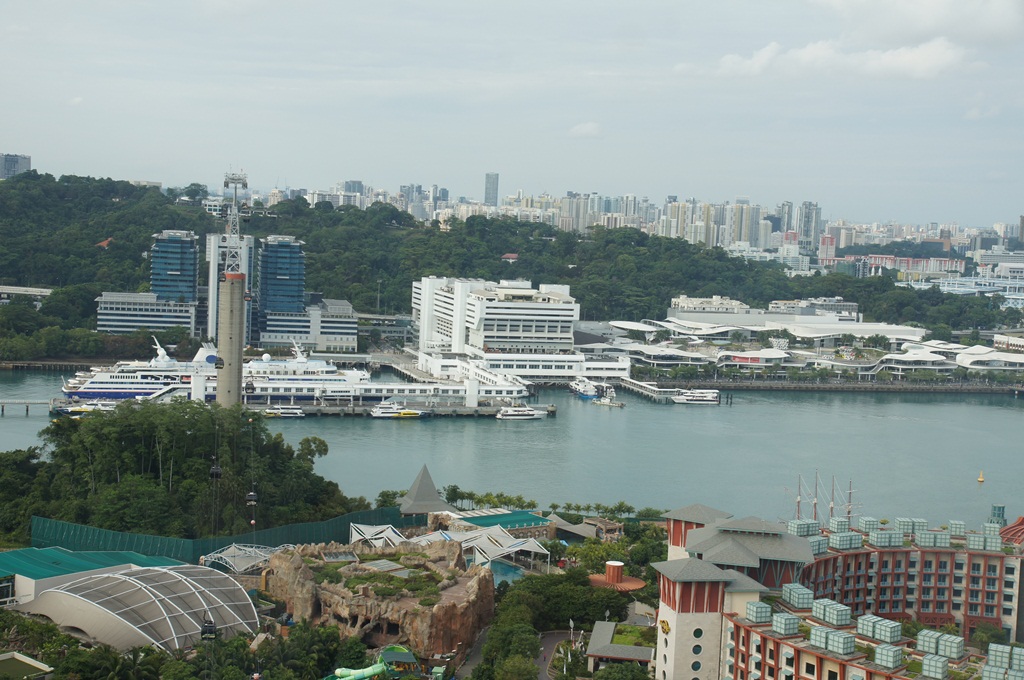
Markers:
281,275
808,224
11,164
491,189
174,266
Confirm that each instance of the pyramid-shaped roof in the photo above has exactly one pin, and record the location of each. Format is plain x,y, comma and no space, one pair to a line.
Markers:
691,570
701,514
422,497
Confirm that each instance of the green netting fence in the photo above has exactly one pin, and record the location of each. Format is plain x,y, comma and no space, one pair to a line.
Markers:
55,533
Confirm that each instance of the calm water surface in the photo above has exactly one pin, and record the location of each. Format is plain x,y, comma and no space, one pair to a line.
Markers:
908,455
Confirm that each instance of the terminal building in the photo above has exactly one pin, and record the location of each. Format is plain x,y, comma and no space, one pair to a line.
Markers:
507,327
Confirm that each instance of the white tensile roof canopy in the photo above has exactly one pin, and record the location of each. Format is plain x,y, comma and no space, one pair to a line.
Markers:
487,544
160,606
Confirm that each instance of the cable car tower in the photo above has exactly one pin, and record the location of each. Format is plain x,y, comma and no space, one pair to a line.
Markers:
231,303
233,253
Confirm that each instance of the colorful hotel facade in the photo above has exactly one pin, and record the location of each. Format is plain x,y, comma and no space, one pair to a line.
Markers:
843,593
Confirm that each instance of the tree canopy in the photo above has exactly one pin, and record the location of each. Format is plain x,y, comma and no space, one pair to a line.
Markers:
146,468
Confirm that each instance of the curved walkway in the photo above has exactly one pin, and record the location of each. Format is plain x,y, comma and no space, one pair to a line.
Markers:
548,642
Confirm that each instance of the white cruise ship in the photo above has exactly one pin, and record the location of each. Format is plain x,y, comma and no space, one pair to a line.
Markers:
266,381
164,374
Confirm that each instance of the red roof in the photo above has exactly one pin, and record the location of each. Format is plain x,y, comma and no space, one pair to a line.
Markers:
510,256
1014,533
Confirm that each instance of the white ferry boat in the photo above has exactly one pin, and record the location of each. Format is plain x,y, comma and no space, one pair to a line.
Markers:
284,412
391,409
583,387
520,412
698,397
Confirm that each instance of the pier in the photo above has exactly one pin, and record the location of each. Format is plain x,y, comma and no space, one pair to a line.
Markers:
662,395
4,403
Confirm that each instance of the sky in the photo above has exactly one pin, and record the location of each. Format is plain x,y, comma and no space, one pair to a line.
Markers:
878,110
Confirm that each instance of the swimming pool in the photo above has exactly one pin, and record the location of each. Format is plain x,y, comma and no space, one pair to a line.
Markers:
503,571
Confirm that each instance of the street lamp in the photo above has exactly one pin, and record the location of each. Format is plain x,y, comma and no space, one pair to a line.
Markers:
379,281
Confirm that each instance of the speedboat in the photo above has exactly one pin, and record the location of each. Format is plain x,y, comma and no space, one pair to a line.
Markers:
697,397
391,409
74,409
284,412
583,387
607,398
520,412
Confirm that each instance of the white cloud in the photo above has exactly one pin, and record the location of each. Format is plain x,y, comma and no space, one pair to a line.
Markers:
735,65
586,129
927,60
975,22
75,101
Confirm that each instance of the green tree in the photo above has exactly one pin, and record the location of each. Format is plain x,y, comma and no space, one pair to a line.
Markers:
622,671
196,191
388,498
515,667
878,341
512,640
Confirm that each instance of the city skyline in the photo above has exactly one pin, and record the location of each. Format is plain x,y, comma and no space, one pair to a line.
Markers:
877,111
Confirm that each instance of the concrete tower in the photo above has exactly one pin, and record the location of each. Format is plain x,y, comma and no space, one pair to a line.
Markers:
231,307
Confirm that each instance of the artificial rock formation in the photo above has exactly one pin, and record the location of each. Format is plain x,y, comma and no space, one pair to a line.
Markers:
465,605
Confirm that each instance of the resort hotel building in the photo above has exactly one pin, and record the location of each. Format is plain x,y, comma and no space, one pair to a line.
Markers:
506,327
746,599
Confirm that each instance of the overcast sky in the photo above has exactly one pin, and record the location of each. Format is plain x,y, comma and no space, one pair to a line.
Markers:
906,110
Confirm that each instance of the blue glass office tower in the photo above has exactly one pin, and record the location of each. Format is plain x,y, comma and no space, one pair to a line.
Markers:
174,266
281,277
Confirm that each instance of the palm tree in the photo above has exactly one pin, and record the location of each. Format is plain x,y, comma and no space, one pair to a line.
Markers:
554,507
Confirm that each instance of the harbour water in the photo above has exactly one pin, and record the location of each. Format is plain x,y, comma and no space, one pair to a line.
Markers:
910,455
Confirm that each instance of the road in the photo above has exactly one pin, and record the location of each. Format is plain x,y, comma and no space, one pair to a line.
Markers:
548,641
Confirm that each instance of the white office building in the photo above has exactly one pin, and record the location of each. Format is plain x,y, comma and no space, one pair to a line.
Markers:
509,326
123,313
329,326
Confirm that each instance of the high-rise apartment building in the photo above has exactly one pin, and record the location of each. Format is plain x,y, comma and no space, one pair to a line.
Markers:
174,266
491,189
784,211
808,224
11,164
826,247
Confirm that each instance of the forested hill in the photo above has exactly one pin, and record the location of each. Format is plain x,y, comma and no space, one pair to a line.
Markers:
50,229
